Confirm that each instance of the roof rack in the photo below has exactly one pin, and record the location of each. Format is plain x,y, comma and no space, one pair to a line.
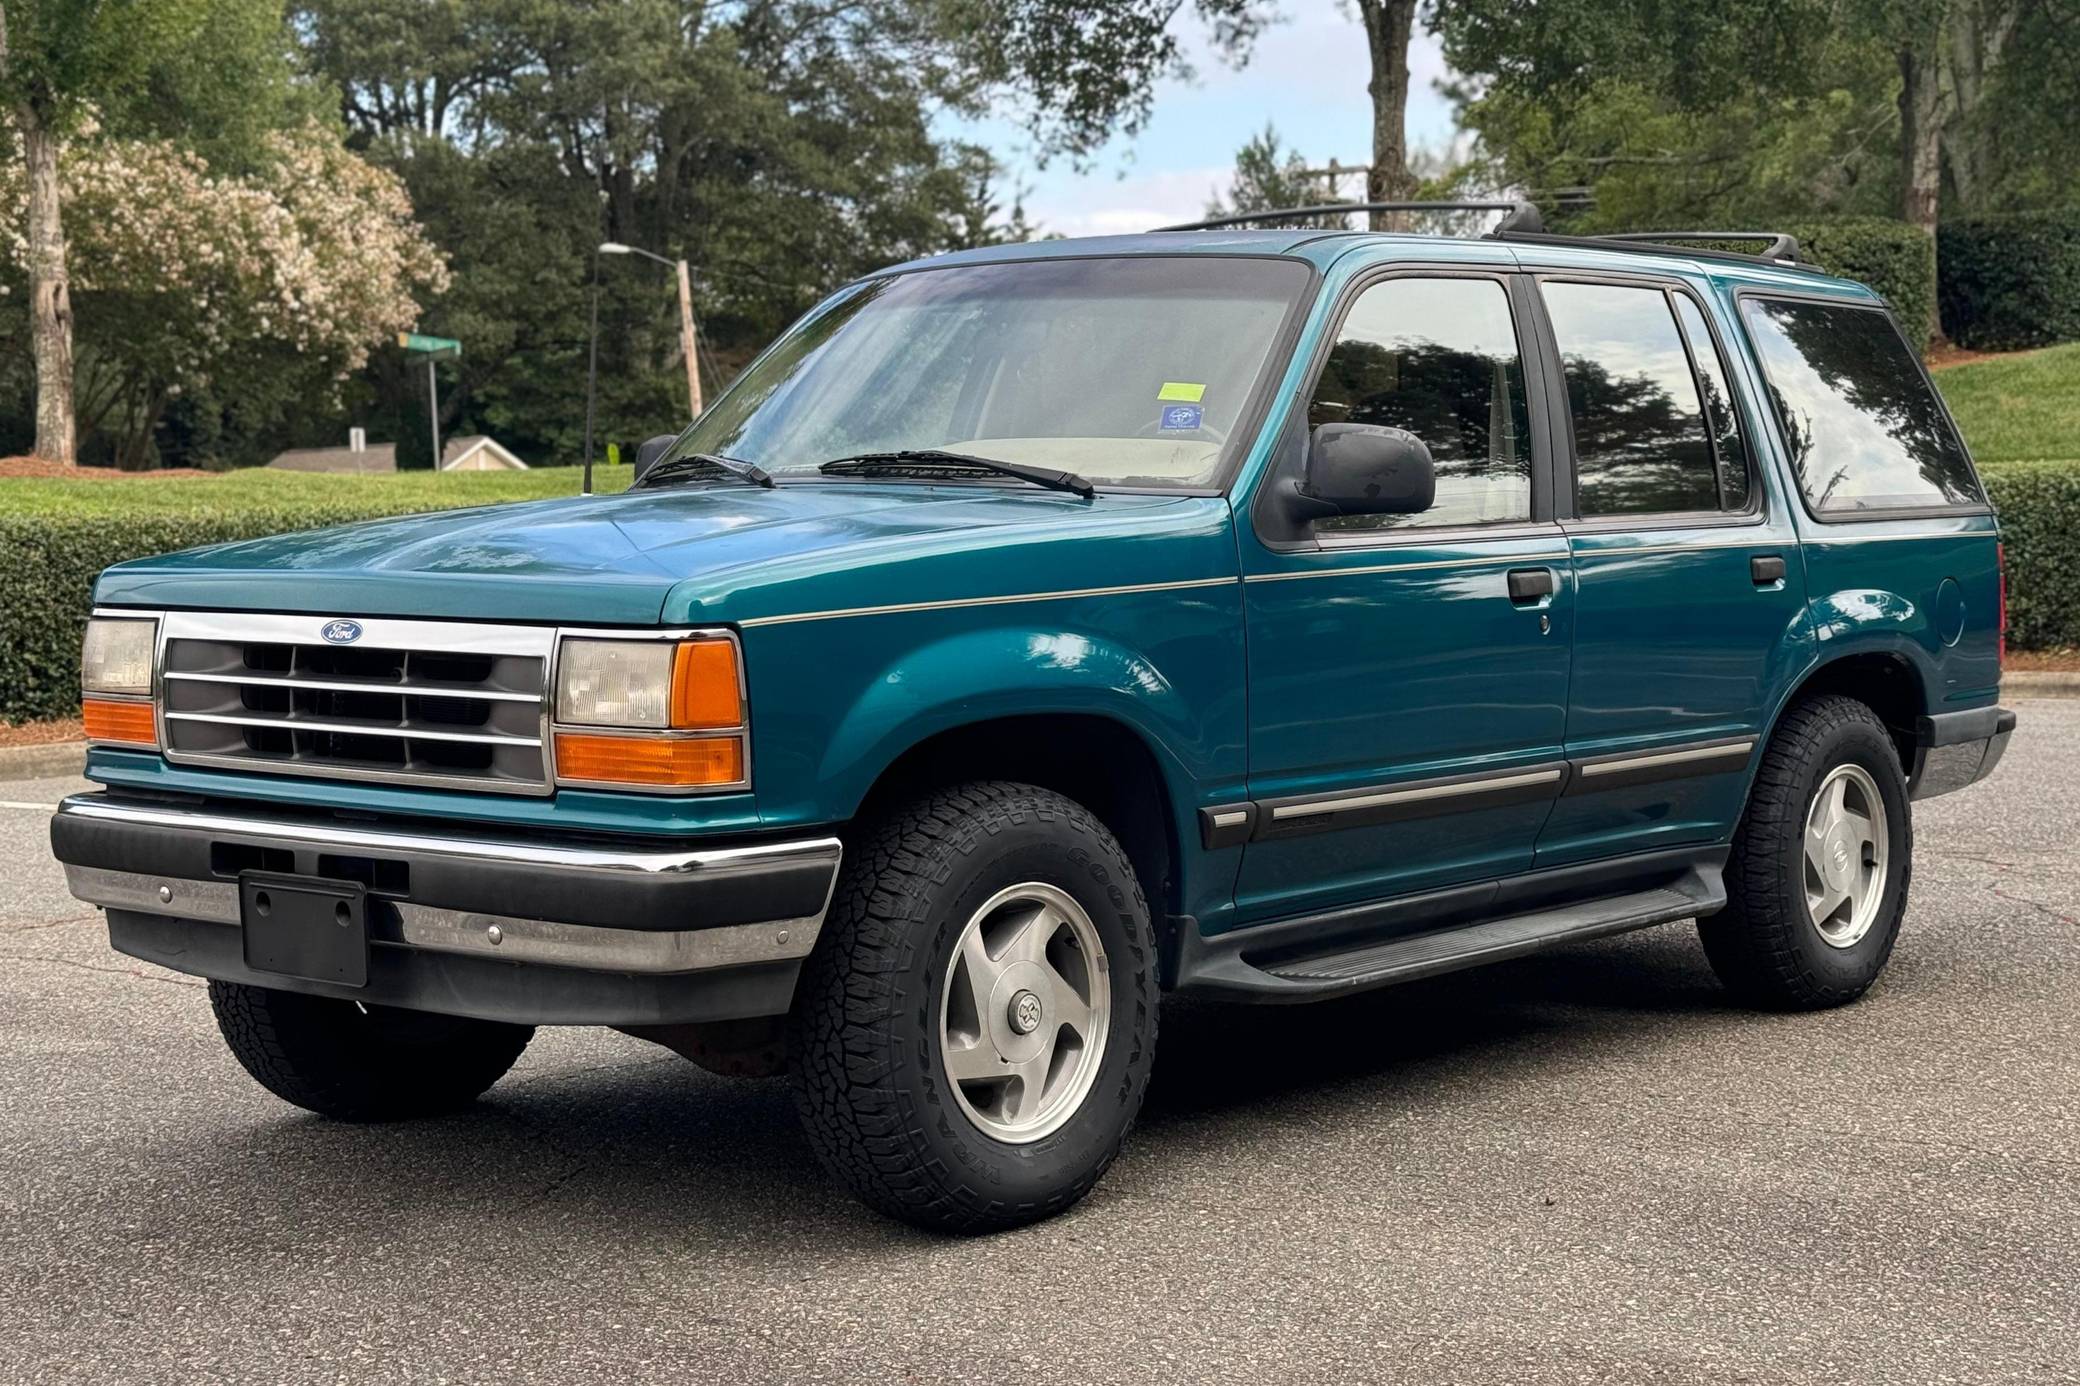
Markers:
1782,245
1521,216
1781,250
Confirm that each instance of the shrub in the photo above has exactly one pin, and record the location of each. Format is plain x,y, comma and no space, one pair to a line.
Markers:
55,536
2011,281
1892,257
2039,504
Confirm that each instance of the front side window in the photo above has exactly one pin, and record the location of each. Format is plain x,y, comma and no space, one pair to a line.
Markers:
1864,428
1640,437
1439,358
1130,370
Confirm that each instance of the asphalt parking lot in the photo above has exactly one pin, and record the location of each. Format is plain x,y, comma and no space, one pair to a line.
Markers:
1584,1168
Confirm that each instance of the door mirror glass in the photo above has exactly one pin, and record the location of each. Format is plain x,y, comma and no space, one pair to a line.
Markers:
1369,469
651,450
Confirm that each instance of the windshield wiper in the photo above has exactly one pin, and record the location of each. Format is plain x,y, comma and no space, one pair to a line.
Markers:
695,462
929,462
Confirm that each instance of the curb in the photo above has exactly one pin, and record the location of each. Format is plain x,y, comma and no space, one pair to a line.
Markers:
2047,684
42,762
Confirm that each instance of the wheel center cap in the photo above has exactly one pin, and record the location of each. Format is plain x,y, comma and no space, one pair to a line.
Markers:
1025,1012
1841,860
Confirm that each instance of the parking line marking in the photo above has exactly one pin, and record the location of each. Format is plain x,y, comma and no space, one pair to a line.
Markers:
24,804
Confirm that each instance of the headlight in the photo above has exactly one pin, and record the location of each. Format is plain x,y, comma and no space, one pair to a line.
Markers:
115,677
648,697
117,657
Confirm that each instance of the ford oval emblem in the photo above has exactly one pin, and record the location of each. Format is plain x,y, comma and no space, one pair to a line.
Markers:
340,632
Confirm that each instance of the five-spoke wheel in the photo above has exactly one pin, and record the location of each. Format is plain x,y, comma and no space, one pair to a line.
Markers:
1023,1019
1845,855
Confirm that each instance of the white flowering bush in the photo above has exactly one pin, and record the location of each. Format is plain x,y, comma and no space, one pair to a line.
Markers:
185,278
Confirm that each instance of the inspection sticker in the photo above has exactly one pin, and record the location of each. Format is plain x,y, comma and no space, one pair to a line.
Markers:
1181,392
1181,416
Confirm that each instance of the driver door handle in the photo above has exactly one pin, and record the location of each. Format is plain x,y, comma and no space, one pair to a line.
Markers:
1530,585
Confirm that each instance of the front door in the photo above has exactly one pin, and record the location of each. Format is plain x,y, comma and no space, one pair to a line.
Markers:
1691,593
1407,693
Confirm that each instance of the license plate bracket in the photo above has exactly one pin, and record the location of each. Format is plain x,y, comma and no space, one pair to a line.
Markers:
305,926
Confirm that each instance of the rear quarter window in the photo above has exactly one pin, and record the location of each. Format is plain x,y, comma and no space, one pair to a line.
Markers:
1864,427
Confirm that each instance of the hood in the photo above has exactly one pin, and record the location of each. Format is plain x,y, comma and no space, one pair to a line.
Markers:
699,551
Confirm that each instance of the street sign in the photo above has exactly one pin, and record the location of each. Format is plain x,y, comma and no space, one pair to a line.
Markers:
429,347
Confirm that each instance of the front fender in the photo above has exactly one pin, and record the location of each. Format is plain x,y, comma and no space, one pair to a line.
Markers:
1166,665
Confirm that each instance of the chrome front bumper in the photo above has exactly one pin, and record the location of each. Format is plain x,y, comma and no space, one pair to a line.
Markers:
442,901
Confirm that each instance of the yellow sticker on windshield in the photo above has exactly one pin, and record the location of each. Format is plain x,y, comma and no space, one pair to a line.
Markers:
1181,392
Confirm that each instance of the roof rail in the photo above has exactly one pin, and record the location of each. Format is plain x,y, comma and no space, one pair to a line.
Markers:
1782,249
1520,216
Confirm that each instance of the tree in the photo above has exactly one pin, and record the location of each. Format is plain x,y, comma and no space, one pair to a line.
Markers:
57,56
1389,24
1269,176
1747,108
285,277
782,147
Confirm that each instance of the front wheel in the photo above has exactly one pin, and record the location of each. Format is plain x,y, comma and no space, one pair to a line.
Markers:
1817,882
974,1032
354,1062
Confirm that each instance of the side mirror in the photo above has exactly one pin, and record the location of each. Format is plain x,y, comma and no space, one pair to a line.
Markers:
1367,469
650,451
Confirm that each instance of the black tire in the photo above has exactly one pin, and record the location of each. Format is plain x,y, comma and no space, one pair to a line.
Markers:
867,1052
378,1064
1764,945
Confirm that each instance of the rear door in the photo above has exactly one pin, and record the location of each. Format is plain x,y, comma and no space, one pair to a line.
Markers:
1690,603
1405,709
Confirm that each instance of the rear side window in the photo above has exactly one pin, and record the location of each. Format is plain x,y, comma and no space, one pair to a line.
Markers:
1863,426
1641,439
1719,415
1439,358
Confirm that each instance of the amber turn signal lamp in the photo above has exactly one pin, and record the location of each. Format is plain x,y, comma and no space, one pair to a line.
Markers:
690,762
706,691
120,723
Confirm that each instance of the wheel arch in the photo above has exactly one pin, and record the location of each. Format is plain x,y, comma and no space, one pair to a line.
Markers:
1888,678
1103,763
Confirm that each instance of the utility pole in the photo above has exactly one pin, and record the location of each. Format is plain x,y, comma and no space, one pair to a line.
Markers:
686,337
693,369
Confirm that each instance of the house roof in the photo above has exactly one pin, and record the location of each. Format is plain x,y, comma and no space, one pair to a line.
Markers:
456,449
376,457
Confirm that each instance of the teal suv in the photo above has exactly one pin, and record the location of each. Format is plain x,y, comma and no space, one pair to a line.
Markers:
1036,633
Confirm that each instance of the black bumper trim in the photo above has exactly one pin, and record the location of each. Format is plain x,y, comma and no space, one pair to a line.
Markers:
521,993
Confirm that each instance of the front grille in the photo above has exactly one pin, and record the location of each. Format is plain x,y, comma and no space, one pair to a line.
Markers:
407,702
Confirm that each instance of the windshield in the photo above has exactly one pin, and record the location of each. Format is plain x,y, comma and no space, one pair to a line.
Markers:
1127,371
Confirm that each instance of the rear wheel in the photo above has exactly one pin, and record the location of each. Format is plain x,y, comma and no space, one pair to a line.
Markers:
974,1032
362,1063
1817,882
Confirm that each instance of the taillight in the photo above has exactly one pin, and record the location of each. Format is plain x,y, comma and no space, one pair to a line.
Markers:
2000,561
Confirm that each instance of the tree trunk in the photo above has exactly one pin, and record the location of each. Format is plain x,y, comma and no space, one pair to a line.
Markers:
1921,138
50,303
1388,24
50,300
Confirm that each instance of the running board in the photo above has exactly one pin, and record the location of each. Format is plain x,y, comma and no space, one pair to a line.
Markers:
1363,964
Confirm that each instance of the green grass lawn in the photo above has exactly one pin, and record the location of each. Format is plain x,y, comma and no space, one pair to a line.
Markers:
2017,408
262,488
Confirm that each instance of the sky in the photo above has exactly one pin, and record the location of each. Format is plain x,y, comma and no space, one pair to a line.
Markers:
1307,76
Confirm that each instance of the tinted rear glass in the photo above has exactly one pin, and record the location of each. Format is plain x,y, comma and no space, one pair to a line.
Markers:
1865,430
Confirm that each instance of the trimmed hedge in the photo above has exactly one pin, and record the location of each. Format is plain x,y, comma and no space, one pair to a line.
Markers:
55,536
1892,257
2011,281
2039,503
